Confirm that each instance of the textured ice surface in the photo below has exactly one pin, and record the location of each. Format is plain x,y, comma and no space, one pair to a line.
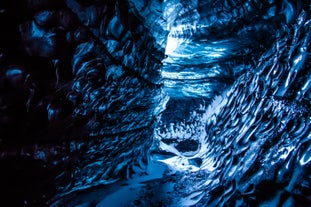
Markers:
249,122
156,103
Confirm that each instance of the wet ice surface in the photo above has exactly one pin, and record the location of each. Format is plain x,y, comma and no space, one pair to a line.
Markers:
223,119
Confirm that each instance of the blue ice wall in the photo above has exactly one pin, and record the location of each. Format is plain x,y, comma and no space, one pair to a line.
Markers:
163,103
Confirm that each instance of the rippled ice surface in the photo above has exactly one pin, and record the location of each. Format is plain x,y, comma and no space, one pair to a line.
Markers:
236,128
245,140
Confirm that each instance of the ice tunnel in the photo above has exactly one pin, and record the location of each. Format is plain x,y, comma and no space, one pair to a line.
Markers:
177,103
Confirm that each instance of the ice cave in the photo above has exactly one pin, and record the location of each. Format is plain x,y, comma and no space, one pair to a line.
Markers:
160,103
